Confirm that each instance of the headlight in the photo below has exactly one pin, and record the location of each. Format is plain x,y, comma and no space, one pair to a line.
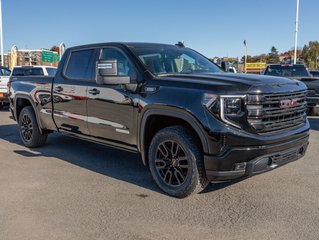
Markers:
232,106
229,108
232,109
212,103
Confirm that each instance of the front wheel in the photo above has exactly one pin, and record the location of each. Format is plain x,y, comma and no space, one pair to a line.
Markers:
176,162
29,130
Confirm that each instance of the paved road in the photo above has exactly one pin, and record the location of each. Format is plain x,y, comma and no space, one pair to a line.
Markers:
71,189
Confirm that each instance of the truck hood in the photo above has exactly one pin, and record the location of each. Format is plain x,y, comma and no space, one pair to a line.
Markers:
233,83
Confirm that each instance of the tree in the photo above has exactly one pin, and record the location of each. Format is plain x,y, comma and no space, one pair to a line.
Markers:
55,48
310,54
273,56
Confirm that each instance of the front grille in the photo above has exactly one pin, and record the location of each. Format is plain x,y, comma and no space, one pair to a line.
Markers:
276,112
285,157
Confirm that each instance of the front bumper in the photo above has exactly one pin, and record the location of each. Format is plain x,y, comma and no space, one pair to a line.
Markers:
248,161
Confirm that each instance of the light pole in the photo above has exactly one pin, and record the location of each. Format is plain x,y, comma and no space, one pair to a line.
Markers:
296,32
1,35
245,64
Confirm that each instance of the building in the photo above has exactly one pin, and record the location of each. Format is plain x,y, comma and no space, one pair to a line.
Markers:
26,57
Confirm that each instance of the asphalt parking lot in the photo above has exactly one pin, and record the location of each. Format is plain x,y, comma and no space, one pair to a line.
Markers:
72,189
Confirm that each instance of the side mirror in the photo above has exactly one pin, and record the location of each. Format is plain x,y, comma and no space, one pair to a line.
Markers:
106,73
225,66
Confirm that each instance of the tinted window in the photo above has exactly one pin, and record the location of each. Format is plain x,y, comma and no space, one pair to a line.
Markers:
315,73
287,71
51,71
81,65
164,59
123,65
21,71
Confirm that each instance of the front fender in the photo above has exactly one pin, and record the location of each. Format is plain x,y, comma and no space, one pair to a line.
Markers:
170,112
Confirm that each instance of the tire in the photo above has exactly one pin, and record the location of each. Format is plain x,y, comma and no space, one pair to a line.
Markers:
29,129
176,162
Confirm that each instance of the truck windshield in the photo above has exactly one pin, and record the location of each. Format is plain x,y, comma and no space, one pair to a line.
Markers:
173,60
287,71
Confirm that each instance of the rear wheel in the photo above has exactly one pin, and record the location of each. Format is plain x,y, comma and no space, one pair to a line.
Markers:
176,162
29,130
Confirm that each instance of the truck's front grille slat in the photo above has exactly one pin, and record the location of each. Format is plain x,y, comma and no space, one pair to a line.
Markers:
276,112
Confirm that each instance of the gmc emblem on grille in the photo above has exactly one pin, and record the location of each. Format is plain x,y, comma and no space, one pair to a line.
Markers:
288,103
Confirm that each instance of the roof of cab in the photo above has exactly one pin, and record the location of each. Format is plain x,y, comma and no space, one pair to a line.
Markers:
126,44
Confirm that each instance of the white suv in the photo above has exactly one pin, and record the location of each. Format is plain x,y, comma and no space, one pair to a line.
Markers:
4,79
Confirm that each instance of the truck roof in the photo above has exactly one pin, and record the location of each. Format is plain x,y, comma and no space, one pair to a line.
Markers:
126,44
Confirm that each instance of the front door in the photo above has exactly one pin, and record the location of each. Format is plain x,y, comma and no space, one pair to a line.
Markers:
111,108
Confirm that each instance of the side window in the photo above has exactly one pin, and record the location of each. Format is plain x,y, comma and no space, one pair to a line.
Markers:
81,65
124,67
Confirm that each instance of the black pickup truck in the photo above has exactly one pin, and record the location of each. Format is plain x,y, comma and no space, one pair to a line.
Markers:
191,122
298,72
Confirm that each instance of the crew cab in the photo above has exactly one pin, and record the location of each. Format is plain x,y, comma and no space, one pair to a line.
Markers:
4,79
298,72
191,122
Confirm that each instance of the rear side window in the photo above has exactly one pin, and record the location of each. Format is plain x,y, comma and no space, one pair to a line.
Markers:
81,65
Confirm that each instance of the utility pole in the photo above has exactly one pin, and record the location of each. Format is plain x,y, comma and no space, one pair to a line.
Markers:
1,35
245,64
296,32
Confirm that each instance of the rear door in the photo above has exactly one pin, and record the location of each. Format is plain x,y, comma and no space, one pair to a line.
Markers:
70,91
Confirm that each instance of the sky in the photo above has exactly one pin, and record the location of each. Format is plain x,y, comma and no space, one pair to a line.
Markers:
212,27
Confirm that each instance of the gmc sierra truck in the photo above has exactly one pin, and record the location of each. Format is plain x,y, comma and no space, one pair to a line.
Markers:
191,122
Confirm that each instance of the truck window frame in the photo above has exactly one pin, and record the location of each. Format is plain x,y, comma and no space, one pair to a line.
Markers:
122,52
92,79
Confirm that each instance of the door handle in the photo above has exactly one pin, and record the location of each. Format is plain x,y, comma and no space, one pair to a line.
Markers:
94,91
58,89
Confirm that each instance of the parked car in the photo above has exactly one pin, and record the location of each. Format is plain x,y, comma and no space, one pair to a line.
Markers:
191,122
298,72
314,73
4,79
33,71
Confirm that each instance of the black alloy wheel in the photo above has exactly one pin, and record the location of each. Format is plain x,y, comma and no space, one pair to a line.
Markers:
171,163
26,127
30,132
176,161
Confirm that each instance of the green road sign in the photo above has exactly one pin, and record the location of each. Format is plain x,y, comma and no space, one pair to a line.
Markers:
48,56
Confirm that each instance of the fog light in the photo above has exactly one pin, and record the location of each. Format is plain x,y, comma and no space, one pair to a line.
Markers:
240,166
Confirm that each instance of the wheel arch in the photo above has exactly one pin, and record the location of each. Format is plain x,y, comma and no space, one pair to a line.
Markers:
21,101
179,116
